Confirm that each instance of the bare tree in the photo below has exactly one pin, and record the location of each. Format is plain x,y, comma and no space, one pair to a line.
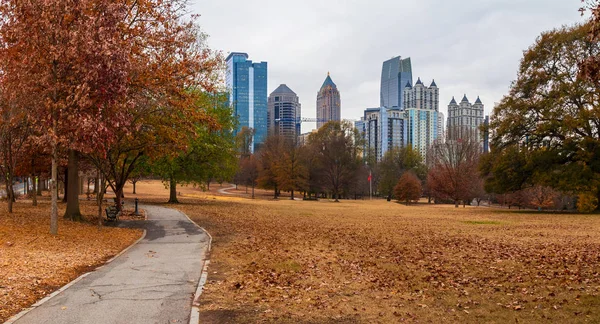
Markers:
454,174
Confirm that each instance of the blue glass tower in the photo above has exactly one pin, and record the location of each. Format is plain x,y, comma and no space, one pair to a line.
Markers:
247,86
395,74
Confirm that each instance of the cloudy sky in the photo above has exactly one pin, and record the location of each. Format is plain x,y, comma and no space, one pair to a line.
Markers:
467,46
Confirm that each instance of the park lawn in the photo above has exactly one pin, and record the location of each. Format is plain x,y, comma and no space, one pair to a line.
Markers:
378,261
34,263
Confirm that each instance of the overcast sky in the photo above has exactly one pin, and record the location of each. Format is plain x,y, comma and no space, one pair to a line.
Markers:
467,46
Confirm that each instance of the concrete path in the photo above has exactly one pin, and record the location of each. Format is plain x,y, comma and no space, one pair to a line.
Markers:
153,282
225,192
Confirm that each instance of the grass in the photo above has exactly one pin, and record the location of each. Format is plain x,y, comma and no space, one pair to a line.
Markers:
375,261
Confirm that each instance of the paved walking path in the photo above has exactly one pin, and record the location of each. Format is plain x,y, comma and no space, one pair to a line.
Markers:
225,192
153,282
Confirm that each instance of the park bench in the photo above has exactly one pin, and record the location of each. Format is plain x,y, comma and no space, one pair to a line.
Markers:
112,213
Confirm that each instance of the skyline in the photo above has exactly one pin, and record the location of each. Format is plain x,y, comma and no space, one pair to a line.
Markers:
470,47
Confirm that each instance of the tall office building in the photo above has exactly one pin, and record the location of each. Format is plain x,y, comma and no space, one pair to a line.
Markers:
421,106
395,73
382,129
247,85
328,103
284,113
464,119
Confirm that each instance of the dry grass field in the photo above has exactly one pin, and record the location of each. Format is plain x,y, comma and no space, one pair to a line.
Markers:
377,261
34,263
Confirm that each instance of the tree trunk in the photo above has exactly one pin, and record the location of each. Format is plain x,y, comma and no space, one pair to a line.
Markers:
455,203
99,198
41,185
208,185
119,197
134,182
72,212
34,186
252,191
25,186
81,182
54,192
173,191
9,191
292,198
96,182
66,182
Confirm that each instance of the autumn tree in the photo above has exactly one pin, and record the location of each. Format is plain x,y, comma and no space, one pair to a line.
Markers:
454,173
269,159
76,67
590,67
395,163
15,131
171,68
408,188
551,114
337,147
291,173
249,171
209,151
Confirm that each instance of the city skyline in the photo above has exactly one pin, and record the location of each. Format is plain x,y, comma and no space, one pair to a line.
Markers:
469,46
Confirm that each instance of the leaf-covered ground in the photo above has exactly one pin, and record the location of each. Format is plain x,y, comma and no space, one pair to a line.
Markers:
377,261
34,263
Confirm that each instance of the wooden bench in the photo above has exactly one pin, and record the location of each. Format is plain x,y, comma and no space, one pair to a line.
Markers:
112,213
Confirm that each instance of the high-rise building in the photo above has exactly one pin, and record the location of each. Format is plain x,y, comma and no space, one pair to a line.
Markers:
395,73
284,113
382,129
421,106
464,119
247,85
328,103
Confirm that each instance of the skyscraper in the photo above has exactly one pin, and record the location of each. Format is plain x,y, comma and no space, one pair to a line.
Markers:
395,73
382,129
464,119
247,85
284,113
328,103
421,106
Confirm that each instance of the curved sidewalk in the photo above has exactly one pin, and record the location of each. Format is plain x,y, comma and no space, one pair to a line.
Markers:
153,282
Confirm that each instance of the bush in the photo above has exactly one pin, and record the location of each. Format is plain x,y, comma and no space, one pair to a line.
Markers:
408,188
587,202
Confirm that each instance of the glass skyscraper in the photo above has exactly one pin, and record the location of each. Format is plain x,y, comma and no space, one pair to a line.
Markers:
247,85
395,74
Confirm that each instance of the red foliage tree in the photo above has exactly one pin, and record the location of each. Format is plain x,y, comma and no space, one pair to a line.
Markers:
454,173
71,57
408,188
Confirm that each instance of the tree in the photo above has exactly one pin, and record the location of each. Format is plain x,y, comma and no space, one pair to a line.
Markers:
269,160
291,174
454,173
590,67
75,69
542,197
337,148
209,153
408,188
551,114
395,163
170,68
249,171
15,131
243,141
